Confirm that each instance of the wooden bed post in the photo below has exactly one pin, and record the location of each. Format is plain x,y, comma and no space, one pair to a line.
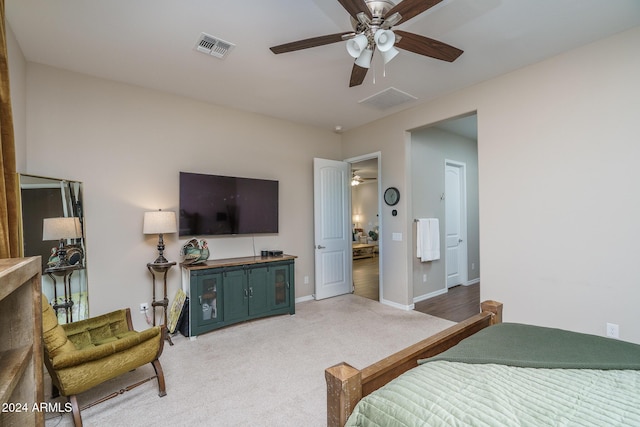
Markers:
344,390
494,307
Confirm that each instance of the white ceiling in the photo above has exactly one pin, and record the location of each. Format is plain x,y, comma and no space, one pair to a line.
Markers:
151,43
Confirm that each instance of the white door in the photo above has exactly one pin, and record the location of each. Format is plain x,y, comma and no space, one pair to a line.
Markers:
455,222
332,228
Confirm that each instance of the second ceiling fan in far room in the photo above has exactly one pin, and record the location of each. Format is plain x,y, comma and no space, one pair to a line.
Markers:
372,22
356,179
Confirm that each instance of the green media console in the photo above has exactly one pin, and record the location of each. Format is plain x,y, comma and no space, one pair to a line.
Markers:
227,291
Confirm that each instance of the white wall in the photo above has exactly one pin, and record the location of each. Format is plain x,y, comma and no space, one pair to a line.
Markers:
559,206
127,145
364,202
373,138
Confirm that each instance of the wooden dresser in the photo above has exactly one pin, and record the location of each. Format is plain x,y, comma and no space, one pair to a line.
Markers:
21,371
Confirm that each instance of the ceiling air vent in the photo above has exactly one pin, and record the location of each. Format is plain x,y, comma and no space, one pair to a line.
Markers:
213,46
388,98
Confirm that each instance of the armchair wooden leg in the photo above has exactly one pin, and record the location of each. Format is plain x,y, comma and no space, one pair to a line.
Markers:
77,419
161,386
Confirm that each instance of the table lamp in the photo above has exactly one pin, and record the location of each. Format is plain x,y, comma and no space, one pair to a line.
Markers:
61,229
159,222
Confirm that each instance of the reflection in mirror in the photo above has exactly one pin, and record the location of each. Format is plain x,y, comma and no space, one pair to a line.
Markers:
64,263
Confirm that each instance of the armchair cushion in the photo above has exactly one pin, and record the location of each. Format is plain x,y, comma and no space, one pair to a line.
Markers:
54,336
94,352
98,330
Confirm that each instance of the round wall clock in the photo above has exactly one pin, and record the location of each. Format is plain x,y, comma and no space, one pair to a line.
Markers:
391,196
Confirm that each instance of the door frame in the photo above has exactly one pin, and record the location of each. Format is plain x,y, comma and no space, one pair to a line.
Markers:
375,155
463,247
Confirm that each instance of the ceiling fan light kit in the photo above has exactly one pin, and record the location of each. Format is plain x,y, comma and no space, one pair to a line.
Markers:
372,21
388,55
384,39
364,60
357,45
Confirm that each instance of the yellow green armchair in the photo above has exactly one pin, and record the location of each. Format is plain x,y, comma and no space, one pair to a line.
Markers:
81,355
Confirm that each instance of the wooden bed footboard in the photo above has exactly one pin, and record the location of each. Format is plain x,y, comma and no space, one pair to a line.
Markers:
346,385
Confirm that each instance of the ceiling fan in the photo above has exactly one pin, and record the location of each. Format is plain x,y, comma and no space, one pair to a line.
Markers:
372,21
357,179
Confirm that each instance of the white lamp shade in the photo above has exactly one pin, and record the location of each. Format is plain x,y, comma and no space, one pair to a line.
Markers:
356,45
61,228
384,39
388,55
159,222
364,60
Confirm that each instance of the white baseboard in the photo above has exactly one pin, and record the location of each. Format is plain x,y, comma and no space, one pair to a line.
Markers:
303,299
442,291
430,295
386,302
396,305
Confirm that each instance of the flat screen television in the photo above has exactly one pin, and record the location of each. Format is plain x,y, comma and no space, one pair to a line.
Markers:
224,205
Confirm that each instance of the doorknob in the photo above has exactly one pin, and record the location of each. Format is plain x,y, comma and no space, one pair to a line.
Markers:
320,247
459,240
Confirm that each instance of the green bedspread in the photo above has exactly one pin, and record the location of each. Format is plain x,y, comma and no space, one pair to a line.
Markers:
484,381
529,346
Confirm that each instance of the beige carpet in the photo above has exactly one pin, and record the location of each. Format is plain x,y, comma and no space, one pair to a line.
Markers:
269,372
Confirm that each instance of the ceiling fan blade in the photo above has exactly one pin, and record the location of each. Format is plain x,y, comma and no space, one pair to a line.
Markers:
355,6
357,75
307,43
426,46
410,8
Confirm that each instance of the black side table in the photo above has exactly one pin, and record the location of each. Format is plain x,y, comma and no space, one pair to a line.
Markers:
161,268
65,273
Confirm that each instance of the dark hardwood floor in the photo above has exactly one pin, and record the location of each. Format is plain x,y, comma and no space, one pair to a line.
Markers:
459,303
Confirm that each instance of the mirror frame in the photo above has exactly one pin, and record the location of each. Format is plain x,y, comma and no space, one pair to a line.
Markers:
66,289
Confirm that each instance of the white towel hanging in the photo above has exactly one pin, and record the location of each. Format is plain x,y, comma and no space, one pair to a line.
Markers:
428,239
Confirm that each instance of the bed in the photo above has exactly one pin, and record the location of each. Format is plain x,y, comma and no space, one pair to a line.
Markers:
485,372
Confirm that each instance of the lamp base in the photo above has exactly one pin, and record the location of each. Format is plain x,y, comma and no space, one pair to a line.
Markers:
160,260
62,256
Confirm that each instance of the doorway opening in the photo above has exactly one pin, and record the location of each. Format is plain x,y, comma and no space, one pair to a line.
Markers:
365,215
444,185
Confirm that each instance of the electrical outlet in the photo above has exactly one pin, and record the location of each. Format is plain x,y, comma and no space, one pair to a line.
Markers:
306,280
144,307
424,277
613,330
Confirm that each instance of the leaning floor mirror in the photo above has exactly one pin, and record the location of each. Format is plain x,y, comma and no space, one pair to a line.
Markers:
52,226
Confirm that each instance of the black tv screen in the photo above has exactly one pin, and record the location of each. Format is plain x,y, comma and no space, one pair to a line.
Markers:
222,205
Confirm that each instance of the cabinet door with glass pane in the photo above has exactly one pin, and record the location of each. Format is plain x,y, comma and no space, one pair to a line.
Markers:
206,302
280,286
